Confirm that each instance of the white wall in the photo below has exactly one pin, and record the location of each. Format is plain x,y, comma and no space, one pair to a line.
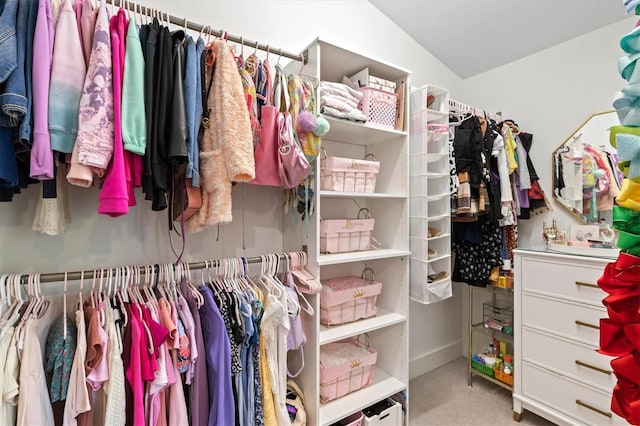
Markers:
549,94
141,237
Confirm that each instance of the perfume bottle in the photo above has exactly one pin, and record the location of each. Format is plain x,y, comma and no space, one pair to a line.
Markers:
550,233
606,233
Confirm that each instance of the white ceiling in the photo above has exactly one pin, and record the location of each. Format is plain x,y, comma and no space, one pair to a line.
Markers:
473,36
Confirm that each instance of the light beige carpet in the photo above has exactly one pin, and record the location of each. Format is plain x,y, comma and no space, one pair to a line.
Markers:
442,397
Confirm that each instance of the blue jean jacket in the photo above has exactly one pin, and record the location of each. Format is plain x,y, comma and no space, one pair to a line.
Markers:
8,48
13,96
26,127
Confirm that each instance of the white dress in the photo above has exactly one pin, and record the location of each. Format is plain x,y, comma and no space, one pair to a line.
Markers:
275,325
77,395
115,413
34,405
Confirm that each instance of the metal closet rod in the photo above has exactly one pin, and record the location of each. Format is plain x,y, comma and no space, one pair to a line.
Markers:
88,273
182,22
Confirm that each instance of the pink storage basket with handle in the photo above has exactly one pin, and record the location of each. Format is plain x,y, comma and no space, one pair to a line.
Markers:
344,235
348,175
348,299
345,366
379,106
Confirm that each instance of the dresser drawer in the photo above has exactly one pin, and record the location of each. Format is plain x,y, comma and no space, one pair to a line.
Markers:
571,320
566,396
570,358
573,280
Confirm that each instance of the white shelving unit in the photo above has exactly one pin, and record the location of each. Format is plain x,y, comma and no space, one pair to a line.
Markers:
388,331
430,195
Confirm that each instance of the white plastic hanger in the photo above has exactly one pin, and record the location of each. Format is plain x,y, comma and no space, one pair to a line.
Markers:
64,309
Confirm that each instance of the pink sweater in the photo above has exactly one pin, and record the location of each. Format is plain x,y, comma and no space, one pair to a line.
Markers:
41,154
95,132
114,197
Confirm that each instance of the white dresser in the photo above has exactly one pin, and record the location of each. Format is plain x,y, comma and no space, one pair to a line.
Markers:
557,309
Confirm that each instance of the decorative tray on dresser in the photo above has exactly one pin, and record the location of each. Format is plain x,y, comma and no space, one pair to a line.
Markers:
557,309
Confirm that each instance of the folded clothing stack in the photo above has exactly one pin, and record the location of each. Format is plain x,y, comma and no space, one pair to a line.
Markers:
340,101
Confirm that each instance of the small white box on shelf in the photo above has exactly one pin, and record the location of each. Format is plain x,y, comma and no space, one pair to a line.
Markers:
384,413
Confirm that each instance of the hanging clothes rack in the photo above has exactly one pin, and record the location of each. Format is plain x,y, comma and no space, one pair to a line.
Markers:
89,273
183,22
463,108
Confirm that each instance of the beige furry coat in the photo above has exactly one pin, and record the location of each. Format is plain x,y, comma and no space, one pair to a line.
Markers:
226,154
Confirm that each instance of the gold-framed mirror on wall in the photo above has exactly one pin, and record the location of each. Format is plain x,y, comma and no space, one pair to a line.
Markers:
585,173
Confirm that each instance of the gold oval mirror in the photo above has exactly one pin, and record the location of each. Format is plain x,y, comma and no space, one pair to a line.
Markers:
586,178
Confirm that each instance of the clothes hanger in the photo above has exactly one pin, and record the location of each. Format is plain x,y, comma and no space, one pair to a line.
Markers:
309,283
192,288
64,307
11,301
239,59
4,297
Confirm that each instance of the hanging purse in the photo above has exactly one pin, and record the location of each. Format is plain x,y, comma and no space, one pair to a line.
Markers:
293,165
186,198
266,152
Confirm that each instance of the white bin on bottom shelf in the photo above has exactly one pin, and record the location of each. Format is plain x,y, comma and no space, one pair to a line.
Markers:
383,413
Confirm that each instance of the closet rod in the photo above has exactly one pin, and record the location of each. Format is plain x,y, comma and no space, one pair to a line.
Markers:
88,273
459,106
182,22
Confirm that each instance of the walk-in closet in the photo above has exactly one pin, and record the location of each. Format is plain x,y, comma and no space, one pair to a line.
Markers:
322,213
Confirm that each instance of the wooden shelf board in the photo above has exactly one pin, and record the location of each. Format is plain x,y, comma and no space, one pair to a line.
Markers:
383,319
360,134
359,256
336,194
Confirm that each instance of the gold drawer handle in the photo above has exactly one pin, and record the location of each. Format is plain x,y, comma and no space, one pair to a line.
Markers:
582,284
586,324
593,367
592,408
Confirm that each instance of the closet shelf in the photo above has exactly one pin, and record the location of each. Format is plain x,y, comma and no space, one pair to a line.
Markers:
438,237
359,256
360,134
383,387
436,217
434,259
336,194
500,334
436,175
491,379
438,196
383,319
435,157
437,114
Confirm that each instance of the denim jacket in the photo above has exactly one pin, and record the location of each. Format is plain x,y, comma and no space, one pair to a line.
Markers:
26,127
8,49
13,102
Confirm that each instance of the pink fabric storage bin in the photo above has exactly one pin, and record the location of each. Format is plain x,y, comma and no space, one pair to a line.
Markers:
344,235
348,175
348,299
379,106
345,366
